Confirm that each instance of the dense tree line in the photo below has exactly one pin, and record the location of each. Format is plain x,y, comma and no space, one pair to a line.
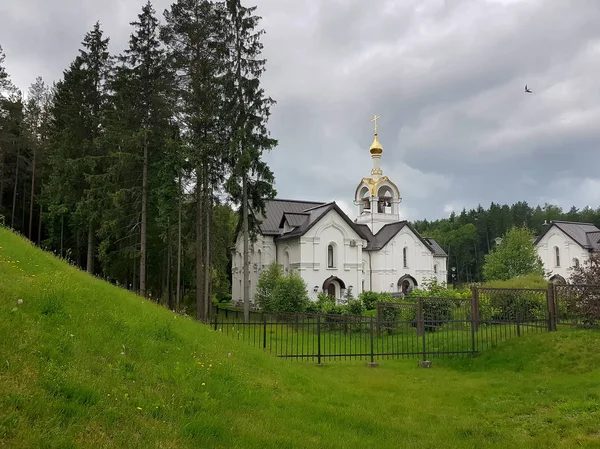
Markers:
470,235
131,165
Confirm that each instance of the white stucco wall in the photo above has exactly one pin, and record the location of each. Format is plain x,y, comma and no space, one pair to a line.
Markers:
262,254
331,229
388,263
568,251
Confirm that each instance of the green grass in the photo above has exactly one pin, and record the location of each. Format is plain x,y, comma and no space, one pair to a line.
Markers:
85,364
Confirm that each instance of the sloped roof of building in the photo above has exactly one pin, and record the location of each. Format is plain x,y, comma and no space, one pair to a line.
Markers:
387,233
303,215
294,219
594,240
435,246
275,210
314,215
586,235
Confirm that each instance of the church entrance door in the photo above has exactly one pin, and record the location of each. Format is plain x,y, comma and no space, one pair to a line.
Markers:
331,290
405,286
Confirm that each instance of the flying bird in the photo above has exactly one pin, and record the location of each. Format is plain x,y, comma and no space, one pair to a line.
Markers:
527,89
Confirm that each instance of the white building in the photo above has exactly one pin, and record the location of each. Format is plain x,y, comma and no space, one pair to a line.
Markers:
332,253
564,245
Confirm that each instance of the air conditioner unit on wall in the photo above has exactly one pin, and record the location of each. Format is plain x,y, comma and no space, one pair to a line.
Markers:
353,243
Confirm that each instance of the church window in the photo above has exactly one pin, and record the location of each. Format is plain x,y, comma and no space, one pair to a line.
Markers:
435,268
405,256
557,256
330,256
286,261
576,262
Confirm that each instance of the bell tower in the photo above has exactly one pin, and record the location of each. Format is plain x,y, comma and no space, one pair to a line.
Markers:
377,197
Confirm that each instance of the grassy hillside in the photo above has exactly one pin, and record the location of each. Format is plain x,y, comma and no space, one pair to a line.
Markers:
84,364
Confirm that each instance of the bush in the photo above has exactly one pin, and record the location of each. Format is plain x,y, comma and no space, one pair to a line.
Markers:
265,288
355,307
370,299
290,294
222,297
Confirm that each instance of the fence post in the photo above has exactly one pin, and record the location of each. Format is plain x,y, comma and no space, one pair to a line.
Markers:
550,302
421,324
318,339
372,343
475,308
216,324
378,319
264,331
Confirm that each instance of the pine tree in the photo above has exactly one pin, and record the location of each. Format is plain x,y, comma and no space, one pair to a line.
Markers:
251,180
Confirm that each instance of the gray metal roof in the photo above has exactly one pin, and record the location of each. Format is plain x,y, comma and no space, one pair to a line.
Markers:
594,240
295,219
315,213
435,246
582,233
275,210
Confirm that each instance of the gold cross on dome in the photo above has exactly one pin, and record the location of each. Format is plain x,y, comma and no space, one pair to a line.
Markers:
375,118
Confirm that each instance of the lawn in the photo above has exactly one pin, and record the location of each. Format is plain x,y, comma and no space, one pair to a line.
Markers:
85,364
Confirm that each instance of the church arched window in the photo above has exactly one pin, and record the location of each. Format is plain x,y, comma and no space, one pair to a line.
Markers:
435,268
286,261
259,262
405,256
330,256
557,256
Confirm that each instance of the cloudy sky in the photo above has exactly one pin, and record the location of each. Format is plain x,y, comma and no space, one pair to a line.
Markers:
447,78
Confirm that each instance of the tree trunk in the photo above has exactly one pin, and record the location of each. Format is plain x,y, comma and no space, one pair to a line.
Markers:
12,222
62,235
39,239
23,208
199,238
144,221
32,193
169,294
246,249
207,300
1,177
90,250
178,300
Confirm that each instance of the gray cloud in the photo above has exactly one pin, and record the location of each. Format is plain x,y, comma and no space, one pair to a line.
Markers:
446,77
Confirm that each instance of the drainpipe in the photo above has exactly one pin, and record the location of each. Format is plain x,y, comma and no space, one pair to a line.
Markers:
370,273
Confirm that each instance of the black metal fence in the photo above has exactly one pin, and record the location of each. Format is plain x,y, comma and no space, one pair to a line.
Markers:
577,305
424,328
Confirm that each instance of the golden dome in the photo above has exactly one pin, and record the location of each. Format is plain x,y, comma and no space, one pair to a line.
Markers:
376,148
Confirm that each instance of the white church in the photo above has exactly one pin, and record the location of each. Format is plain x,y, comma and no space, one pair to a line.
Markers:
564,245
333,254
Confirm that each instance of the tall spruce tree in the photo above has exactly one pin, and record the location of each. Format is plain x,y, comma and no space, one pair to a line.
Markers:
251,180
65,183
194,33
37,121
96,65
139,126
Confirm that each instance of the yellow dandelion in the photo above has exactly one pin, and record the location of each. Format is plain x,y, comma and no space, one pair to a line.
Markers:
139,408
